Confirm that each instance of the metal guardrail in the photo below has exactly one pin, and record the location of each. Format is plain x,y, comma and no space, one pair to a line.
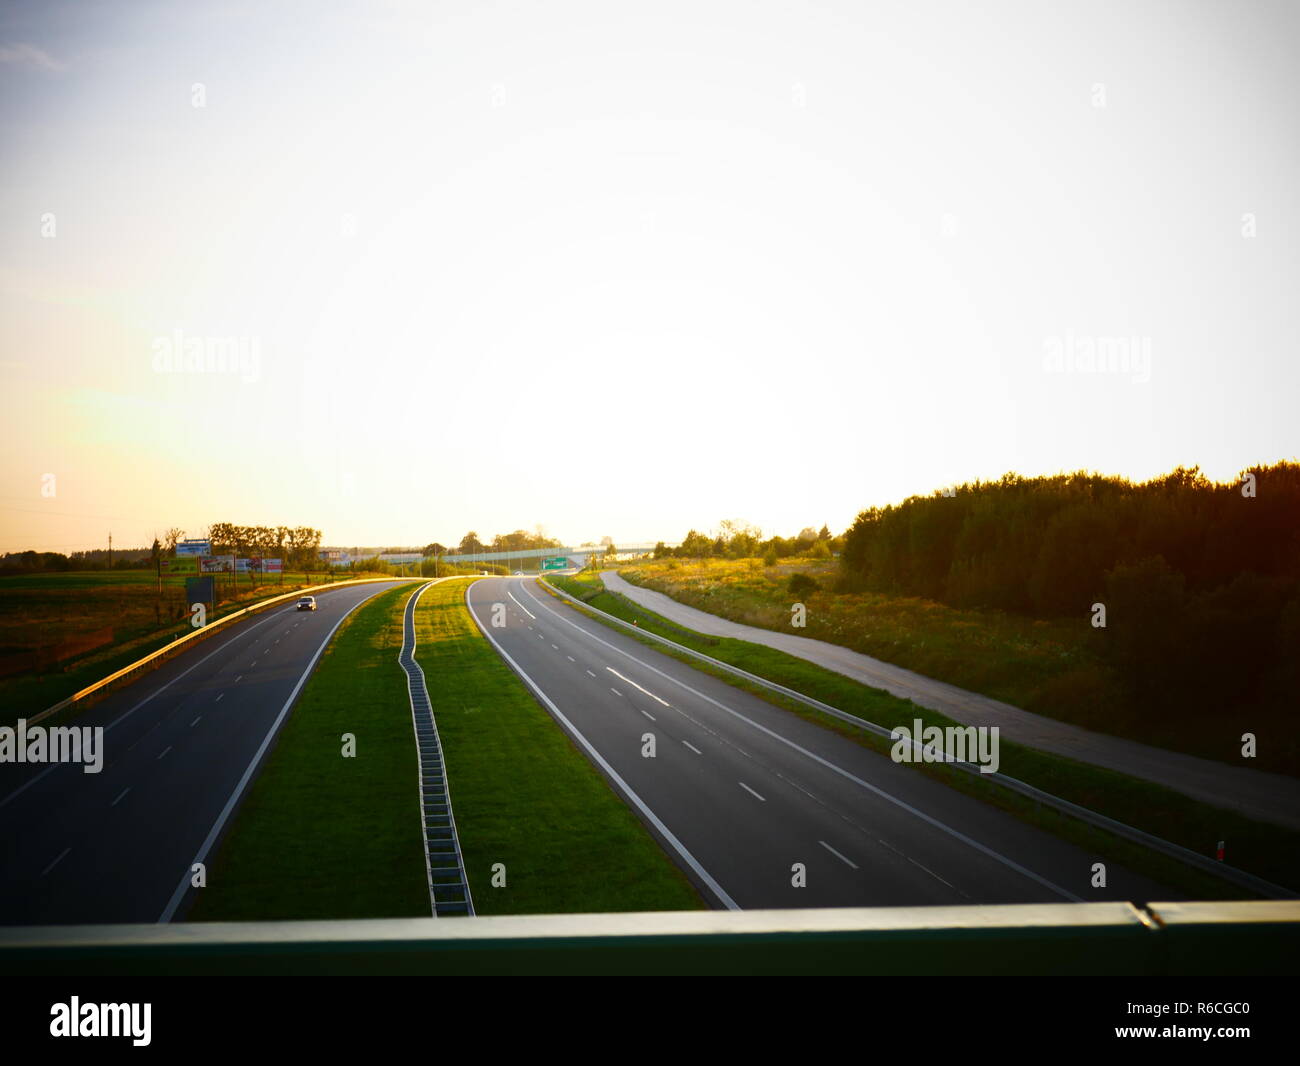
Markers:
1246,938
444,864
181,642
1166,847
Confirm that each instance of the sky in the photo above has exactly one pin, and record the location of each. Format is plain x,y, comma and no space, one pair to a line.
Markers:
402,270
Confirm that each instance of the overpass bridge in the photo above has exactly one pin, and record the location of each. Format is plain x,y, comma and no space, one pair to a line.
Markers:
517,560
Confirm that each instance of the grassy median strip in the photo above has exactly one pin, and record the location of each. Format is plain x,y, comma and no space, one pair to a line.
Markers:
1271,852
320,835
522,793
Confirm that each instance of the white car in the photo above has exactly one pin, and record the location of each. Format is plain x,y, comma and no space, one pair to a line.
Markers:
307,603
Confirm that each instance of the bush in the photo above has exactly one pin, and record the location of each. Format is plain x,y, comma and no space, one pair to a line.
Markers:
801,585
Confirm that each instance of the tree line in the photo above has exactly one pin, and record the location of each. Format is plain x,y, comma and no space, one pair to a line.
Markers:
472,544
1198,582
298,546
739,540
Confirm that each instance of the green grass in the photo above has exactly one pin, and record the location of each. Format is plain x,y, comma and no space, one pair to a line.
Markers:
319,835
1268,851
523,794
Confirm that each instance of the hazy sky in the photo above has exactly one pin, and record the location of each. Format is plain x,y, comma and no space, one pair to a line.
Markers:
625,268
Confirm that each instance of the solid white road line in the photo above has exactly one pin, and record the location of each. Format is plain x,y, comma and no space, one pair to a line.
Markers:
55,862
521,606
219,824
636,686
846,861
750,790
941,826
611,773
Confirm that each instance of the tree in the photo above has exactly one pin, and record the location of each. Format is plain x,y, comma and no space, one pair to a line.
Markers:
170,539
470,544
435,549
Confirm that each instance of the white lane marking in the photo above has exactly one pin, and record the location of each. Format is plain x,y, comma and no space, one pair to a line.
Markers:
941,826
750,790
55,862
165,751
610,772
556,647
223,644
636,686
239,679
571,658
692,747
521,606
590,673
219,824
252,664
930,872
842,858
615,691
196,721
120,796
218,699
648,714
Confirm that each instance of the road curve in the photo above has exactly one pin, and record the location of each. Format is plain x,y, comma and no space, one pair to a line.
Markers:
751,799
116,846
1257,794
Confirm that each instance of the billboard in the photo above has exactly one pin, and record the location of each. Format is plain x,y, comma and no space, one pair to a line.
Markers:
183,565
272,566
217,564
243,566
193,547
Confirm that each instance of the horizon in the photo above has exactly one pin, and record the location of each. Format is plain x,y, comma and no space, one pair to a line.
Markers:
710,530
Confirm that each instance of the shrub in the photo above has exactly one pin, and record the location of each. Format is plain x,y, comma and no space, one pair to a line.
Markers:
801,585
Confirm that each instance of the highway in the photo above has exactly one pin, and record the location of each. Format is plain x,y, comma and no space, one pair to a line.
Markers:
752,800
180,744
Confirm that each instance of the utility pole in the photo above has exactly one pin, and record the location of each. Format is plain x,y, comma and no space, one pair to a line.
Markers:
110,550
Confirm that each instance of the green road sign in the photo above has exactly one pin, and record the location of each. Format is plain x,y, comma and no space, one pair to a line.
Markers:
555,562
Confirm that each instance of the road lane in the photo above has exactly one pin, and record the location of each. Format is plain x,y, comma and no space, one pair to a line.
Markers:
112,846
753,793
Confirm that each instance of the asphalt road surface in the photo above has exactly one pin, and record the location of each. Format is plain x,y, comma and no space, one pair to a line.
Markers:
1258,794
744,794
117,846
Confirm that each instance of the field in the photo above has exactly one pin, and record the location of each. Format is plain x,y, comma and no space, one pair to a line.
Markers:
1047,667
43,610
